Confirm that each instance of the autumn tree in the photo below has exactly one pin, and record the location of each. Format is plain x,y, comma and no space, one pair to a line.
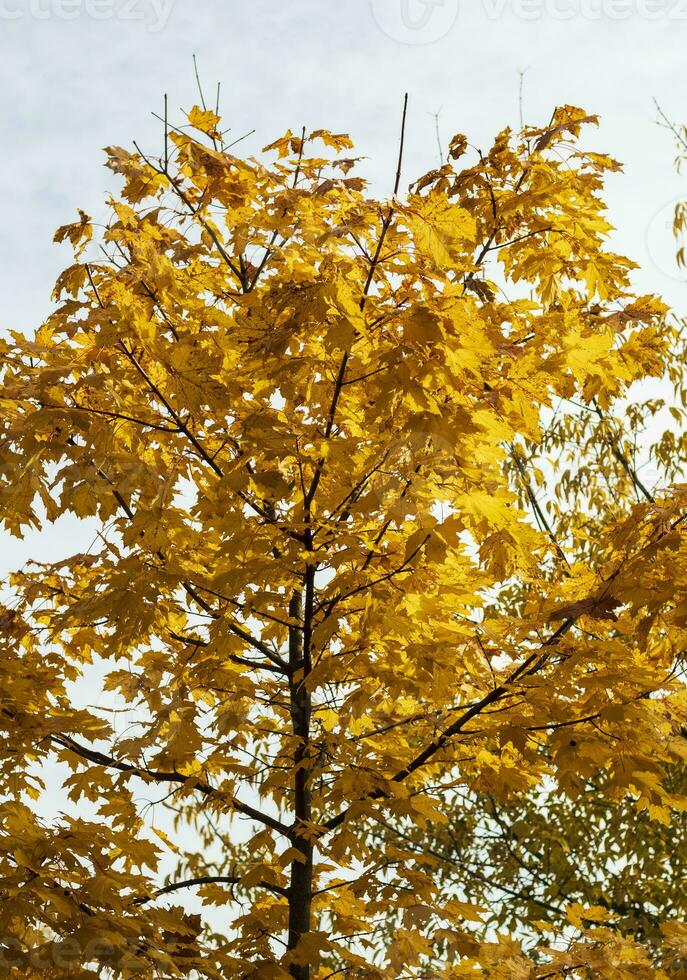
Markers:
305,426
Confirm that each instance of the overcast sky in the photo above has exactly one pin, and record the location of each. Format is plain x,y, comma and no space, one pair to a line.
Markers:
81,74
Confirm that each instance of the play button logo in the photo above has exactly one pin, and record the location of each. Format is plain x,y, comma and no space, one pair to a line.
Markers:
415,21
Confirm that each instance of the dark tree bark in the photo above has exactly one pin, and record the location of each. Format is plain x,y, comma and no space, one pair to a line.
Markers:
301,885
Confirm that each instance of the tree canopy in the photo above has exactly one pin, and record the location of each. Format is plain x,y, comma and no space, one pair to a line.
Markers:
375,575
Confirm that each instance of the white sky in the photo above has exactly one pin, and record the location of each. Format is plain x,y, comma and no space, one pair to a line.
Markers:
73,84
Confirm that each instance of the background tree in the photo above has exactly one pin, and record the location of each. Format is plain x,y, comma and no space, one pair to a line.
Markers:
293,415
532,855
543,849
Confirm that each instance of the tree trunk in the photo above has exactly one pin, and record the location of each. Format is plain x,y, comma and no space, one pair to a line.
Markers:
300,889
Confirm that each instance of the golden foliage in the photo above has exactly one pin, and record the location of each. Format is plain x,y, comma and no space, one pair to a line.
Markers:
308,426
